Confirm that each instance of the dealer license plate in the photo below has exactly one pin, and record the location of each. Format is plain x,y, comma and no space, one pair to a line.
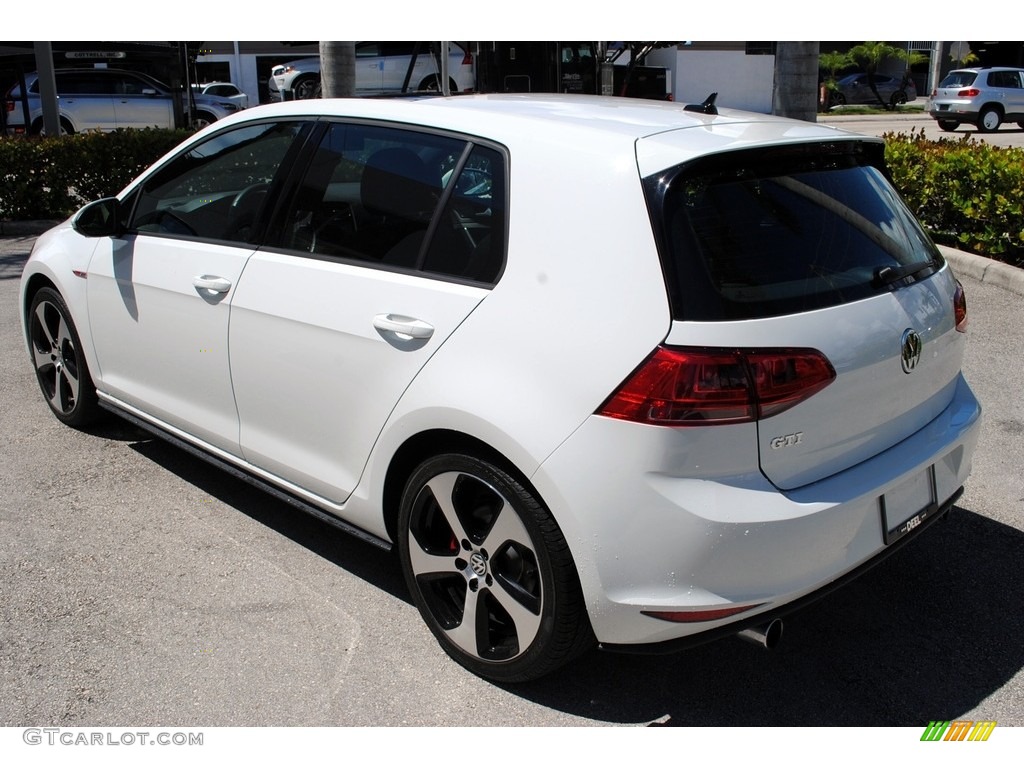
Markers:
908,505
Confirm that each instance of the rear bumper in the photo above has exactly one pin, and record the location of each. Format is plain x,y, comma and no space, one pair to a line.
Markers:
653,530
963,113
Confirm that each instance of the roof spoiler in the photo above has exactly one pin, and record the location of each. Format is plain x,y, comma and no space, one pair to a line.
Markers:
707,108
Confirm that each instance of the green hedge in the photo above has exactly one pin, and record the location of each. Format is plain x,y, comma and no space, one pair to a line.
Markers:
50,178
967,193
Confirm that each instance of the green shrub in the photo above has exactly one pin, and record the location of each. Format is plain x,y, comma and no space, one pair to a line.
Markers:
967,193
50,178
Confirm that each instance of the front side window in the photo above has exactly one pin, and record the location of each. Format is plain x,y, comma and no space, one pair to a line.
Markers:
217,189
761,234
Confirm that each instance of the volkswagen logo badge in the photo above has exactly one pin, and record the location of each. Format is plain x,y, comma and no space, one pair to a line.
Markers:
478,564
910,350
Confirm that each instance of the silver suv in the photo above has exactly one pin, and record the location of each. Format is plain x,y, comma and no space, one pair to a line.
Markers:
983,96
105,100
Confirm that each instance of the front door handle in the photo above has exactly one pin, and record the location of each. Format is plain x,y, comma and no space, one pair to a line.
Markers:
405,326
212,283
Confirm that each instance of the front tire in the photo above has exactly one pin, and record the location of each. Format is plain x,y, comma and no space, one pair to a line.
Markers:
306,87
61,370
948,125
489,570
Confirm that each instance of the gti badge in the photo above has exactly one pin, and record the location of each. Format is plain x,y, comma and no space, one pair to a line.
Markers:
910,350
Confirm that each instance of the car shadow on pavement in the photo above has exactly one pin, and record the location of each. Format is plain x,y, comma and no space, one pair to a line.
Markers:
927,635
365,561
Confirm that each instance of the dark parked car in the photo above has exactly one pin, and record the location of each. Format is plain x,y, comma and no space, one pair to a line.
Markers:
856,89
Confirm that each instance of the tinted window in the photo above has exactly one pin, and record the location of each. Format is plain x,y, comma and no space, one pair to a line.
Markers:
958,79
82,83
217,189
761,234
375,194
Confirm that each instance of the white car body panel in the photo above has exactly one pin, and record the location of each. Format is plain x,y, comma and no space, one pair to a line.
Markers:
297,416
161,341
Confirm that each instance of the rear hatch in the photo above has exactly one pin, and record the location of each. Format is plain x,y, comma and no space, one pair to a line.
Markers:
798,252
953,87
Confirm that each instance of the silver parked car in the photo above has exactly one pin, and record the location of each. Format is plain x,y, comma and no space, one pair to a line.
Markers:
600,370
985,97
108,99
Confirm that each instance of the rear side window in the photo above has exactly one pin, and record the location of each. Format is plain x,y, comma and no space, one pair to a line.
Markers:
756,234
399,198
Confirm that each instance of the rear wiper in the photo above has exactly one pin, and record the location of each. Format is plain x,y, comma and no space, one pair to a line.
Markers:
888,274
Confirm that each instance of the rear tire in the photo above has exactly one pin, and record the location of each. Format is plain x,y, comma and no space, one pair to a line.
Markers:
948,125
989,120
489,570
61,370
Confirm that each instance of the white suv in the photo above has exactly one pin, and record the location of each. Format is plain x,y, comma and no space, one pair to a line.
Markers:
106,100
602,370
381,68
986,97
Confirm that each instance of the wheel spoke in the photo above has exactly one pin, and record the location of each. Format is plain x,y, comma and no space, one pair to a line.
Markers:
424,563
527,623
44,324
43,359
507,527
471,632
442,487
67,387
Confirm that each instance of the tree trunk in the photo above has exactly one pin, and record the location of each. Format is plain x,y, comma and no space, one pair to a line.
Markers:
337,69
796,80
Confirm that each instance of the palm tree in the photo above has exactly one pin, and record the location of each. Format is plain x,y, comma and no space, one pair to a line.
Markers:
869,55
337,69
831,63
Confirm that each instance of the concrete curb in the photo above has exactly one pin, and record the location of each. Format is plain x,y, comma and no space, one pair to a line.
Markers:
25,228
985,270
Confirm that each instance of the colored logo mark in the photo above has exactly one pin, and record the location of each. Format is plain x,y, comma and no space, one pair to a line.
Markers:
958,730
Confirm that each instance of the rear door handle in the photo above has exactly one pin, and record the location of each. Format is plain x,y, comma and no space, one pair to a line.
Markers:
406,326
212,283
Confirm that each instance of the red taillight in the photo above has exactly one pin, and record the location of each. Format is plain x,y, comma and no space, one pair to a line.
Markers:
960,308
9,106
968,93
681,387
467,59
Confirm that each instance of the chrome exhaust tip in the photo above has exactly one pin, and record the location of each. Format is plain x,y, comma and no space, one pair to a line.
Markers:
766,635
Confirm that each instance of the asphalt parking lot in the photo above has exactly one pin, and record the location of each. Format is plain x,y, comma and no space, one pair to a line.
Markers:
140,587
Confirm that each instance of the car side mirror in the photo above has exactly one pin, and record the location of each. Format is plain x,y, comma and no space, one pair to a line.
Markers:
99,219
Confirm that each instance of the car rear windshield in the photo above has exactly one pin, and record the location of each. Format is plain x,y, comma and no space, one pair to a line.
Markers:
765,233
958,79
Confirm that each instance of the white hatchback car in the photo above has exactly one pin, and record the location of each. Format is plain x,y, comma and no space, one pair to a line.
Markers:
602,370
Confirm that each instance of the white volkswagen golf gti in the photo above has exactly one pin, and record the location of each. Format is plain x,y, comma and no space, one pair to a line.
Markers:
603,371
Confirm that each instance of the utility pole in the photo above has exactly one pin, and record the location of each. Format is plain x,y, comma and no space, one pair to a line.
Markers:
47,88
796,80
